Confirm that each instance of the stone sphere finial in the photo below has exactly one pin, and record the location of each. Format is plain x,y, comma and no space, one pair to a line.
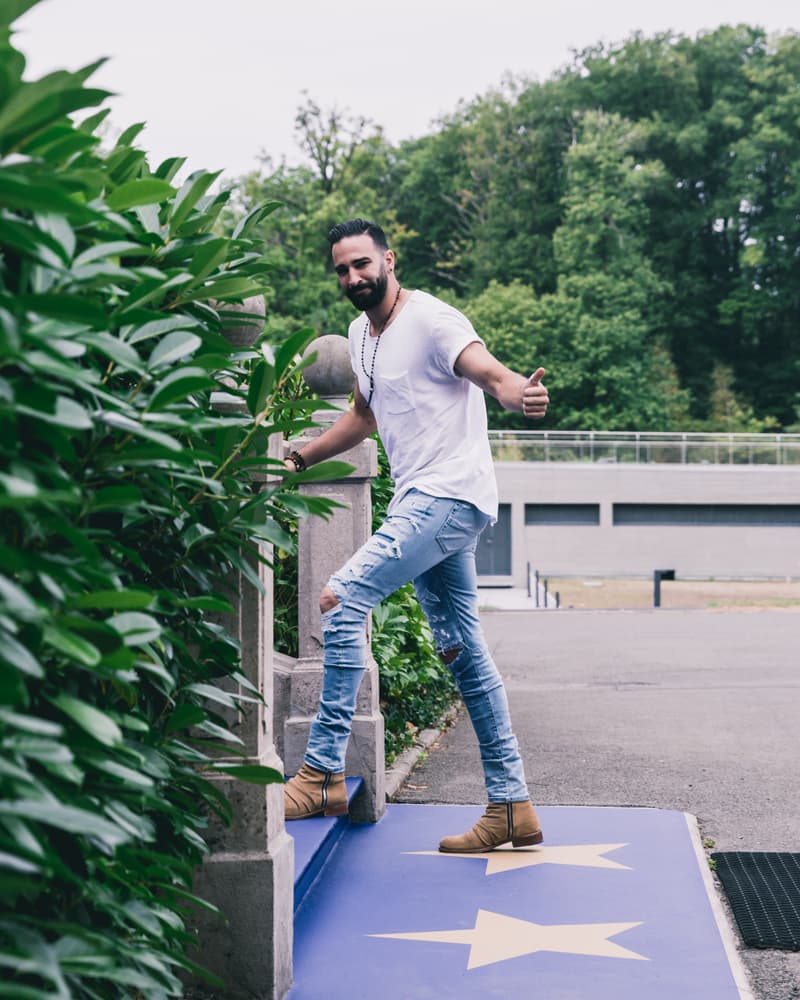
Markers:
242,322
331,375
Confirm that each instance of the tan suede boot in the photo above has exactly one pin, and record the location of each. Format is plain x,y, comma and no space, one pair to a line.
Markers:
502,822
314,793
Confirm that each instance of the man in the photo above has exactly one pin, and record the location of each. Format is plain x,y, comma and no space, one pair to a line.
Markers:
421,371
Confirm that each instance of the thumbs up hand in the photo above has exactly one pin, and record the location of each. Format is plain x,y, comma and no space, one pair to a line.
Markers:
534,396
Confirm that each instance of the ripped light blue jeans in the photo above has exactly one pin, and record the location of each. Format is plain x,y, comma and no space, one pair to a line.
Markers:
430,540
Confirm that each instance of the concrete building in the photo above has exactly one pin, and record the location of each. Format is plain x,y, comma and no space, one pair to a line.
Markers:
603,504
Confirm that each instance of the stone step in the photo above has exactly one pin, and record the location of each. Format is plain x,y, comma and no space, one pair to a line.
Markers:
314,841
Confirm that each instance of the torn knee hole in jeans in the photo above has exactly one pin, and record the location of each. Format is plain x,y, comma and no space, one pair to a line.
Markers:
328,602
328,618
448,655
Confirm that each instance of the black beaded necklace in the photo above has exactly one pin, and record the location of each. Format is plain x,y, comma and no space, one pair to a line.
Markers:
371,373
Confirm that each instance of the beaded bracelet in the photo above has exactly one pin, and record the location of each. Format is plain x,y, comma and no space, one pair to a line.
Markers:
299,461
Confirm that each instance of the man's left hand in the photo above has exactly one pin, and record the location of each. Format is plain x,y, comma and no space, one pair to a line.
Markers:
534,396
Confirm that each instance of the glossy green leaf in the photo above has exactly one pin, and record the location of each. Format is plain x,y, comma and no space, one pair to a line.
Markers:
57,227
130,426
256,215
15,863
204,604
172,348
92,720
130,133
230,288
16,600
325,471
14,9
115,498
185,716
67,413
93,122
72,308
262,381
206,258
30,723
26,194
111,250
73,646
212,693
115,350
292,346
31,240
188,196
131,777
170,167
143,191
117,600
43,750
68,818
156,327
196,533
272,532
178,385
137,825
136,628
43,101
16,655
254,774
218,733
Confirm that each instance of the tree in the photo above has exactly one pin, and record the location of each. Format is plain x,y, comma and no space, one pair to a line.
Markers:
763,303
613,368
329,137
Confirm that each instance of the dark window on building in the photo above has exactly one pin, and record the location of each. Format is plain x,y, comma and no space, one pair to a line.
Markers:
562,513
493,554
730,514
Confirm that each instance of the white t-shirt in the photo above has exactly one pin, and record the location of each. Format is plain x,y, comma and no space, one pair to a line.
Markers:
432,422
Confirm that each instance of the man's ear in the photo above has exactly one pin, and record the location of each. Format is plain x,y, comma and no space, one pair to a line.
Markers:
389,258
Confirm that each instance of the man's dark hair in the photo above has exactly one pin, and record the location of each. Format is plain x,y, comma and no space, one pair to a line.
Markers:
358,227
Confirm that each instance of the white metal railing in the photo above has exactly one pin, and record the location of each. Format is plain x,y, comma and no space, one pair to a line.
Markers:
645,446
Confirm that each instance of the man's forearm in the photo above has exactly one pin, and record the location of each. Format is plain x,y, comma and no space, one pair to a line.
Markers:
348,431
508,391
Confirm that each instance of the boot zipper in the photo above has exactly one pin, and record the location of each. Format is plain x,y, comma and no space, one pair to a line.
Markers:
325,783
510,819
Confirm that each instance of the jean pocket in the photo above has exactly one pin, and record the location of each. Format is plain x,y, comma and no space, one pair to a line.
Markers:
397,393
461,526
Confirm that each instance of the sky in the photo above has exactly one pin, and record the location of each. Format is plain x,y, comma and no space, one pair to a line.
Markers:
220,82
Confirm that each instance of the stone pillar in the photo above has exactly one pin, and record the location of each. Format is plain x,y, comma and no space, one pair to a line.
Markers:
323,547
249,874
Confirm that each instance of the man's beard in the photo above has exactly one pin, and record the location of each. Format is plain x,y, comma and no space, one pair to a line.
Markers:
369,294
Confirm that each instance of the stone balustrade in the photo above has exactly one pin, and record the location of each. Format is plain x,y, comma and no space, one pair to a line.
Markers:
249,874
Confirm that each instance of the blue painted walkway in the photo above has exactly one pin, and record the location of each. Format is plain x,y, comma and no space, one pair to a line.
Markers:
614,906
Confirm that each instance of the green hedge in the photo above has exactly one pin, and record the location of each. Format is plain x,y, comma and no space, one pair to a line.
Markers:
128,502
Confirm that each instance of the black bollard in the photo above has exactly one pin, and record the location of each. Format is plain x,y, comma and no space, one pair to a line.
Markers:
658,576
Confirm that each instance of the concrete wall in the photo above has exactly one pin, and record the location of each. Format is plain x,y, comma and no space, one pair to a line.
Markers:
636,550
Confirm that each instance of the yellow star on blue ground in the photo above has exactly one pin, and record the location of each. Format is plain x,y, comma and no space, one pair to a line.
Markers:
581,855
497,938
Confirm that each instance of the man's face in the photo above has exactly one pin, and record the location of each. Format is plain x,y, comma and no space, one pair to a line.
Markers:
361,269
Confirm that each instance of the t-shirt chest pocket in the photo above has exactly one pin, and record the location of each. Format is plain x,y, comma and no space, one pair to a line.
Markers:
397,393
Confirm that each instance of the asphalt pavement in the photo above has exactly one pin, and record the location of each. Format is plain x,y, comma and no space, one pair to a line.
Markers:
673,709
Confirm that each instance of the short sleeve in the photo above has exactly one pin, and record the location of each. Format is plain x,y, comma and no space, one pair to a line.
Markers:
452,333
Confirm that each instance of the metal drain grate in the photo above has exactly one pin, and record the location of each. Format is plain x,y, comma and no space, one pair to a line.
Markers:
764,893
